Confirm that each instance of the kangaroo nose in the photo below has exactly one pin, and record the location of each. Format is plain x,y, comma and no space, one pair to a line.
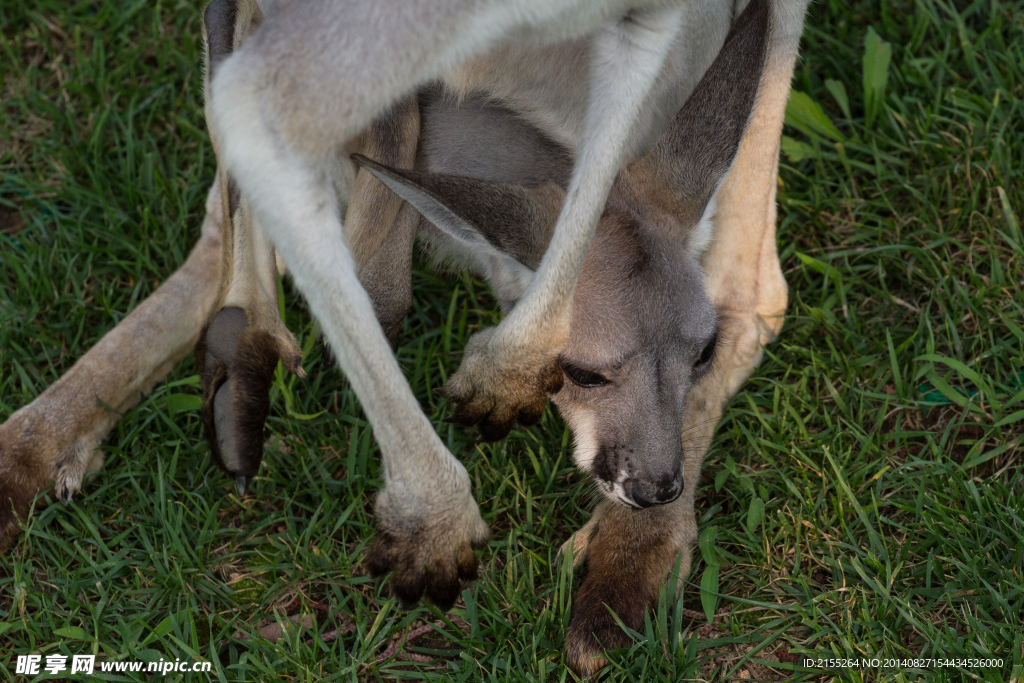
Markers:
646,494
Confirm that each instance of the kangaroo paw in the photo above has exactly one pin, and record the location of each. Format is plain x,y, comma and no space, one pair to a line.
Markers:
427,560
35,450
495,394
71,468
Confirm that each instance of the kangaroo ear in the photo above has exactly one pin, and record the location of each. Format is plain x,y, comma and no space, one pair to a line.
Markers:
219,25
227,24
501,229
700,144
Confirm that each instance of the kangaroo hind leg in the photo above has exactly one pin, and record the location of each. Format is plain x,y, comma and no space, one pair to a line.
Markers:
245,337
56,437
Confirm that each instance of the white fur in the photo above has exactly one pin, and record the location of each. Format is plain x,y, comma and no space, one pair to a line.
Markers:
585,445
281,126
627,60
619,493
294,198
704,231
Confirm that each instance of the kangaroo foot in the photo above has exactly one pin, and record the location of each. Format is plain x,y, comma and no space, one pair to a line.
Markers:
237,362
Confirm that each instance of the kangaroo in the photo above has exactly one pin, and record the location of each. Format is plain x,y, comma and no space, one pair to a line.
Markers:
624,335
644,330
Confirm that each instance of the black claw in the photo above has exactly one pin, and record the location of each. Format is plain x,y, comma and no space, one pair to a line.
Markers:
443,602
241,483
64,495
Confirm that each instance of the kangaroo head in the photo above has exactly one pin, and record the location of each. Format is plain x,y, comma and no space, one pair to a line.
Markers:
643,333
644,330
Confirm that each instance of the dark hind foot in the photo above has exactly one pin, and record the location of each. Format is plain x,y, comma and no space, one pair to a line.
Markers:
237,363
629,554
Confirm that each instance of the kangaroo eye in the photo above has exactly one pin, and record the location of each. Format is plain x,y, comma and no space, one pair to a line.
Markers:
708,353
583,378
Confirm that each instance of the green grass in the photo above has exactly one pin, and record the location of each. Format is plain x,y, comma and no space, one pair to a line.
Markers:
862,498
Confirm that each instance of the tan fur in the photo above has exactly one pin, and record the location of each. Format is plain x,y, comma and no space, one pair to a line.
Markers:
377,218
745,281
56,437
249,270
248,261
628,553
526,398
392,139
247,19
421,562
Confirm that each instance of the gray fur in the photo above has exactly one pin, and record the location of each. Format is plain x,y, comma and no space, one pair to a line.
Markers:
282,114
642,319
700,145
479,138
219,22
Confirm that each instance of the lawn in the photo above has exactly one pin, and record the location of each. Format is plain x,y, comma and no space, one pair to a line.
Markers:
863,497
